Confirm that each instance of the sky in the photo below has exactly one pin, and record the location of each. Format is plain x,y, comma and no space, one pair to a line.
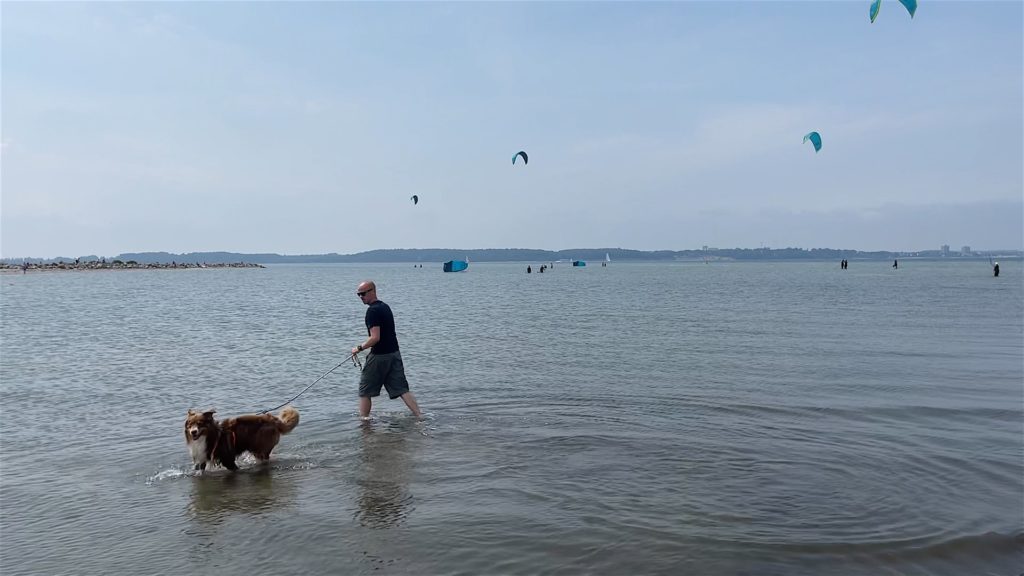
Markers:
305,128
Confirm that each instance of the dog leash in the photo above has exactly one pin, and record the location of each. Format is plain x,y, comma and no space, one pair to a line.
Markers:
354,358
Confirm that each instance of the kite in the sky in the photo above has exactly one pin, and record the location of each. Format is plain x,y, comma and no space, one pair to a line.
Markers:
815,139
910,5
526,159
415,199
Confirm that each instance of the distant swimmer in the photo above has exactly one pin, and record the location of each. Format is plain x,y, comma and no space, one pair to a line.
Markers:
895,263
995,270
528,269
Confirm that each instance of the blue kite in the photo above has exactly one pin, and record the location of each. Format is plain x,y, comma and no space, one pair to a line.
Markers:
815,139
910,5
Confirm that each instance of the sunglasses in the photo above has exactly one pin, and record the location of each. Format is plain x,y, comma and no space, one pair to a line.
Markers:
363,293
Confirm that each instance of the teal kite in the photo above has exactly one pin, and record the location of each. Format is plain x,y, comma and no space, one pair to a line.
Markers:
910,5
815,139
526,159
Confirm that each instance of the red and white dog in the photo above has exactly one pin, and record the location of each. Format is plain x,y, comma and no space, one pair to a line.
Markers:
212,442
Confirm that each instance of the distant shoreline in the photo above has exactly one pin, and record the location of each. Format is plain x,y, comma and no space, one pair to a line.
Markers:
438,255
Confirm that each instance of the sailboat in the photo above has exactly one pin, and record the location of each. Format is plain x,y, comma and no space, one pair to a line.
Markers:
607,259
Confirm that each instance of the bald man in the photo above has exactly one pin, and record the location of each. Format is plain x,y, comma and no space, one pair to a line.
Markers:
384,362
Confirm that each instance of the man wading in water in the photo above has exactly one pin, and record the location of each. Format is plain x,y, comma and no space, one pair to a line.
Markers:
384,362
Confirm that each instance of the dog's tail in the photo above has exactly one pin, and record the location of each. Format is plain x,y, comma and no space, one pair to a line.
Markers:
287,420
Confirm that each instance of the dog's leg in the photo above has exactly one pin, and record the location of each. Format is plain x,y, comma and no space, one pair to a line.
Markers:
230,464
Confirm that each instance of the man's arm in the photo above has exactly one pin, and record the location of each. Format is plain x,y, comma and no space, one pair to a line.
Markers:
370,342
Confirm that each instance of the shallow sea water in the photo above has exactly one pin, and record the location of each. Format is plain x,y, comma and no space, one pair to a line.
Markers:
731,418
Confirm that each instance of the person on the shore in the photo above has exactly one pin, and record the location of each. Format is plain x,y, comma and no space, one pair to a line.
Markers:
384,365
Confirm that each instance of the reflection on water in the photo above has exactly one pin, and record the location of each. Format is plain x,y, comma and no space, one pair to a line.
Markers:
217,496
384,500
225,508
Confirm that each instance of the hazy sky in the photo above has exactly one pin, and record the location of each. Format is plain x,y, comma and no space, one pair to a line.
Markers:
303,128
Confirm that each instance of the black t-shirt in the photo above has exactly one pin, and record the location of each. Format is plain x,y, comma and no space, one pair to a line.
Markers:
379,314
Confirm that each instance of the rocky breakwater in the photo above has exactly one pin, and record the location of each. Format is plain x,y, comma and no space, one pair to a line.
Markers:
118,265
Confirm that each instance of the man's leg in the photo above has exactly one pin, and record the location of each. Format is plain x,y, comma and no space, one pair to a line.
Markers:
410,401
364,406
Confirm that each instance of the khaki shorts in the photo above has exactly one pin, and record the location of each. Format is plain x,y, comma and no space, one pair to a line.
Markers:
383,370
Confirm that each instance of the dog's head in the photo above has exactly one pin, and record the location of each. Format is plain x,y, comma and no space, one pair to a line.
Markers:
199,424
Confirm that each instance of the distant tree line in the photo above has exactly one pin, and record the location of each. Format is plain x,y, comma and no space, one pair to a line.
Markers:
426,255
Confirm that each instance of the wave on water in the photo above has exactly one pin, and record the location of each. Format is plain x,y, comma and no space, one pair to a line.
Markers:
170,474
247,463
983,553
911,549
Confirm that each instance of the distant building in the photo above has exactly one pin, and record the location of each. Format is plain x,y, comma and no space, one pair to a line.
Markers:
945,250
965,251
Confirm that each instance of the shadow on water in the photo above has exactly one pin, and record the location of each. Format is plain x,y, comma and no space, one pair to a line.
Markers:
384,500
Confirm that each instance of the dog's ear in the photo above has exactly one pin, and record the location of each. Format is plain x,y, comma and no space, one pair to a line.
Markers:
191,412
208,413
